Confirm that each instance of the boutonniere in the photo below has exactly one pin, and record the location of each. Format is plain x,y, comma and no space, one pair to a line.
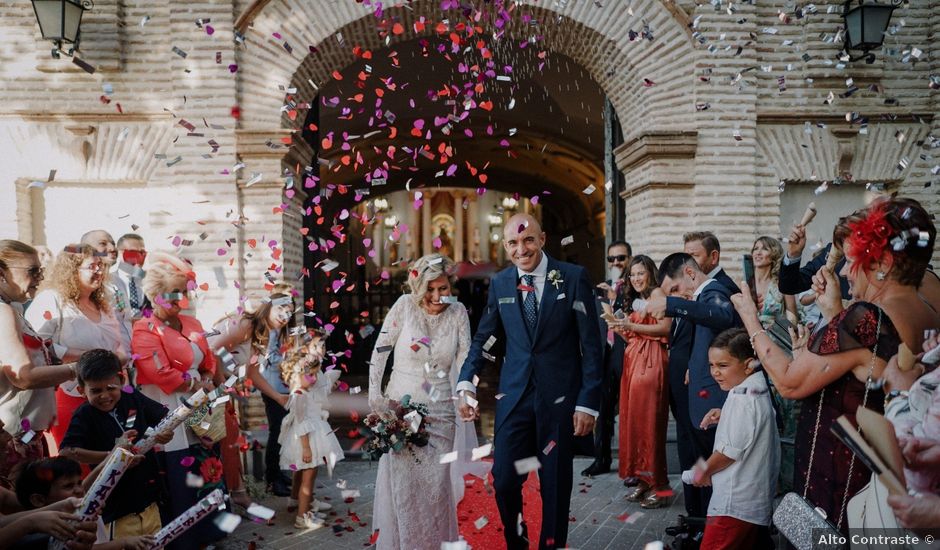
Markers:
554,277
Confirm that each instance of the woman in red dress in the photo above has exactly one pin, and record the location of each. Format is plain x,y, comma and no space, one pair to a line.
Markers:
643,390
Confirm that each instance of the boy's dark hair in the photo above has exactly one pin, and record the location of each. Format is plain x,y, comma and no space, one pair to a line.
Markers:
97,364
672,265
37,477
736,341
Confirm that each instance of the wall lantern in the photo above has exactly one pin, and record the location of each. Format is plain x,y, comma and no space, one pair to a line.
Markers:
380,204
865,26
60,21
510,204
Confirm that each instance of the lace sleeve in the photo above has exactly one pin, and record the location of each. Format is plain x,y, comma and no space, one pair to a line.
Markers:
856,328
463,345
384,345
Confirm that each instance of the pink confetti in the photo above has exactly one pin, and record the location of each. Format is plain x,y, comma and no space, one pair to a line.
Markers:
209,30
25,424
128,389
187,461
436,243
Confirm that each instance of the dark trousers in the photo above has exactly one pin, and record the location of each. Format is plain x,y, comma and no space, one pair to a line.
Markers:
704,443
524,434
688,446
181,497
272,453
610,401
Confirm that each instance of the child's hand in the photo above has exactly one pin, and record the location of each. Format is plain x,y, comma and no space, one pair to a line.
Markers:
60,525
135,460
163,438
307,455
710,419
142,542
126,439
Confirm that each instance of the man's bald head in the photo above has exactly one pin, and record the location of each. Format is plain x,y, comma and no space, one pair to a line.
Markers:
103,243
523,240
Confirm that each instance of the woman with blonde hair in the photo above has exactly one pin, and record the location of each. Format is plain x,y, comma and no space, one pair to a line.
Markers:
767,252
74,311
174,360
428,332
30,369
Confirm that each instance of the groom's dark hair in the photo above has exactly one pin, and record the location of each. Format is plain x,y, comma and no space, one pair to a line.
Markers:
673,264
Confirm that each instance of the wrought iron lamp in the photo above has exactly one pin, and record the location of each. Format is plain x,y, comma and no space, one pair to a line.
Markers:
865,26
61,21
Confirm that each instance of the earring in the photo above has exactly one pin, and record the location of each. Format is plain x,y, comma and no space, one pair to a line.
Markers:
880,275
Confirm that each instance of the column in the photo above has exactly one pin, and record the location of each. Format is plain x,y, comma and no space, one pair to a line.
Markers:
412,235
426,224
473,226
458,233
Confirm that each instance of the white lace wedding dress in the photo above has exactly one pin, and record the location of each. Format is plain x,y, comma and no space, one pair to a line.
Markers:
415,503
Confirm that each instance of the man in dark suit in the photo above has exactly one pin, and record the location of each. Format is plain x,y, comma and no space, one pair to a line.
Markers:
794,279
619,254
545,311
705,249
703,306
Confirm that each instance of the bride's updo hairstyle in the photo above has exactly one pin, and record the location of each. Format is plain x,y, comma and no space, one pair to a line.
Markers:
426,269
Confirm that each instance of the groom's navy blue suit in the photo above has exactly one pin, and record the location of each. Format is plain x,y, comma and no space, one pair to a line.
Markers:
544,376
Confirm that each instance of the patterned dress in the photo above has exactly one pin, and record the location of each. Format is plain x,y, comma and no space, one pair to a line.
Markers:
854,328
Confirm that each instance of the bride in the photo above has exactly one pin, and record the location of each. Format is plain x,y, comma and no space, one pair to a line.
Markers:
428,333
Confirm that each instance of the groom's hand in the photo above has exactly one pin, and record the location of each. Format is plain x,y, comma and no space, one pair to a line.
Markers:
469,407
583,423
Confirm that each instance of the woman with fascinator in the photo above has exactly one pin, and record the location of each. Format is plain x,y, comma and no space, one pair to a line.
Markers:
428,333
887,247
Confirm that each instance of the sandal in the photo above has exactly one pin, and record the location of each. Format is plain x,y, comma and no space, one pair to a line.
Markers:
638,493
653,501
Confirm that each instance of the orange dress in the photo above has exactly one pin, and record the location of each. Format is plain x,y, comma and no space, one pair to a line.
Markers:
644,406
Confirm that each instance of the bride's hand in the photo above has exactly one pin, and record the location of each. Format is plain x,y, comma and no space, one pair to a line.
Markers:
378,403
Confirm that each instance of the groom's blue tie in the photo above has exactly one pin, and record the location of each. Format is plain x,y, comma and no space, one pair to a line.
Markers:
530,306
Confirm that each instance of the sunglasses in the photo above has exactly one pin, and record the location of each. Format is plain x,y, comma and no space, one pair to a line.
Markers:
617,258
36,272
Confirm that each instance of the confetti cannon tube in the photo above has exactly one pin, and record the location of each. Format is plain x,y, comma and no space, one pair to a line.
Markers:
172,420
809,214
93,503
187,519
832,258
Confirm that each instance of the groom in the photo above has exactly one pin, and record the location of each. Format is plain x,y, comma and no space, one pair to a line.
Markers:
550,379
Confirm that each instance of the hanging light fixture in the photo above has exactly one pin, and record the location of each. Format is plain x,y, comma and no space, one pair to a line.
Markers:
865,26
60,21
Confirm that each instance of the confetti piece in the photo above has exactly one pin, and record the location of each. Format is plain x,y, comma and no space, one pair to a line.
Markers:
260,511
525,465
193,480
481,452
548,448
481,522
447,458
187,461
227,522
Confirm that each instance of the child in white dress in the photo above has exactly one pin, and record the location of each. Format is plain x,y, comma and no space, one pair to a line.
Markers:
307,440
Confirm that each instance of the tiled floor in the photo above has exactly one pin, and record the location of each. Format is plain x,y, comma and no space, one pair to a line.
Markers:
603,518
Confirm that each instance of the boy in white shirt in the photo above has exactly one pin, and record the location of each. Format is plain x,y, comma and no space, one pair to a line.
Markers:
744,465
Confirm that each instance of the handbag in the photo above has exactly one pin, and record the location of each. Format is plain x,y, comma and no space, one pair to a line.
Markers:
797,519
208,423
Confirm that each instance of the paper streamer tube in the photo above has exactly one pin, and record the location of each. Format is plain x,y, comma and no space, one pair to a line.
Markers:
171,421
905,358
187,519
833,258
809,214
93,503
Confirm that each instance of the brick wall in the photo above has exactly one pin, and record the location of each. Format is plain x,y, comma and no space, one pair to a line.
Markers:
52,116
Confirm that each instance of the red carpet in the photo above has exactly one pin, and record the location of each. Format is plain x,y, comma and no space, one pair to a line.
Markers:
479,502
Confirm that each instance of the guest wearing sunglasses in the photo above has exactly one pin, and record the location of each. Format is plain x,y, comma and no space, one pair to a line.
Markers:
127,280
619,254
29,370
74,310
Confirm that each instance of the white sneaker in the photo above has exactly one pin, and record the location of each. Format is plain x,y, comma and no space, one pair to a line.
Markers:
318,506
307,521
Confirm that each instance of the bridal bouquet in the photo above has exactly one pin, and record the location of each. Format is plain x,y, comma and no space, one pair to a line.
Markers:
400,427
